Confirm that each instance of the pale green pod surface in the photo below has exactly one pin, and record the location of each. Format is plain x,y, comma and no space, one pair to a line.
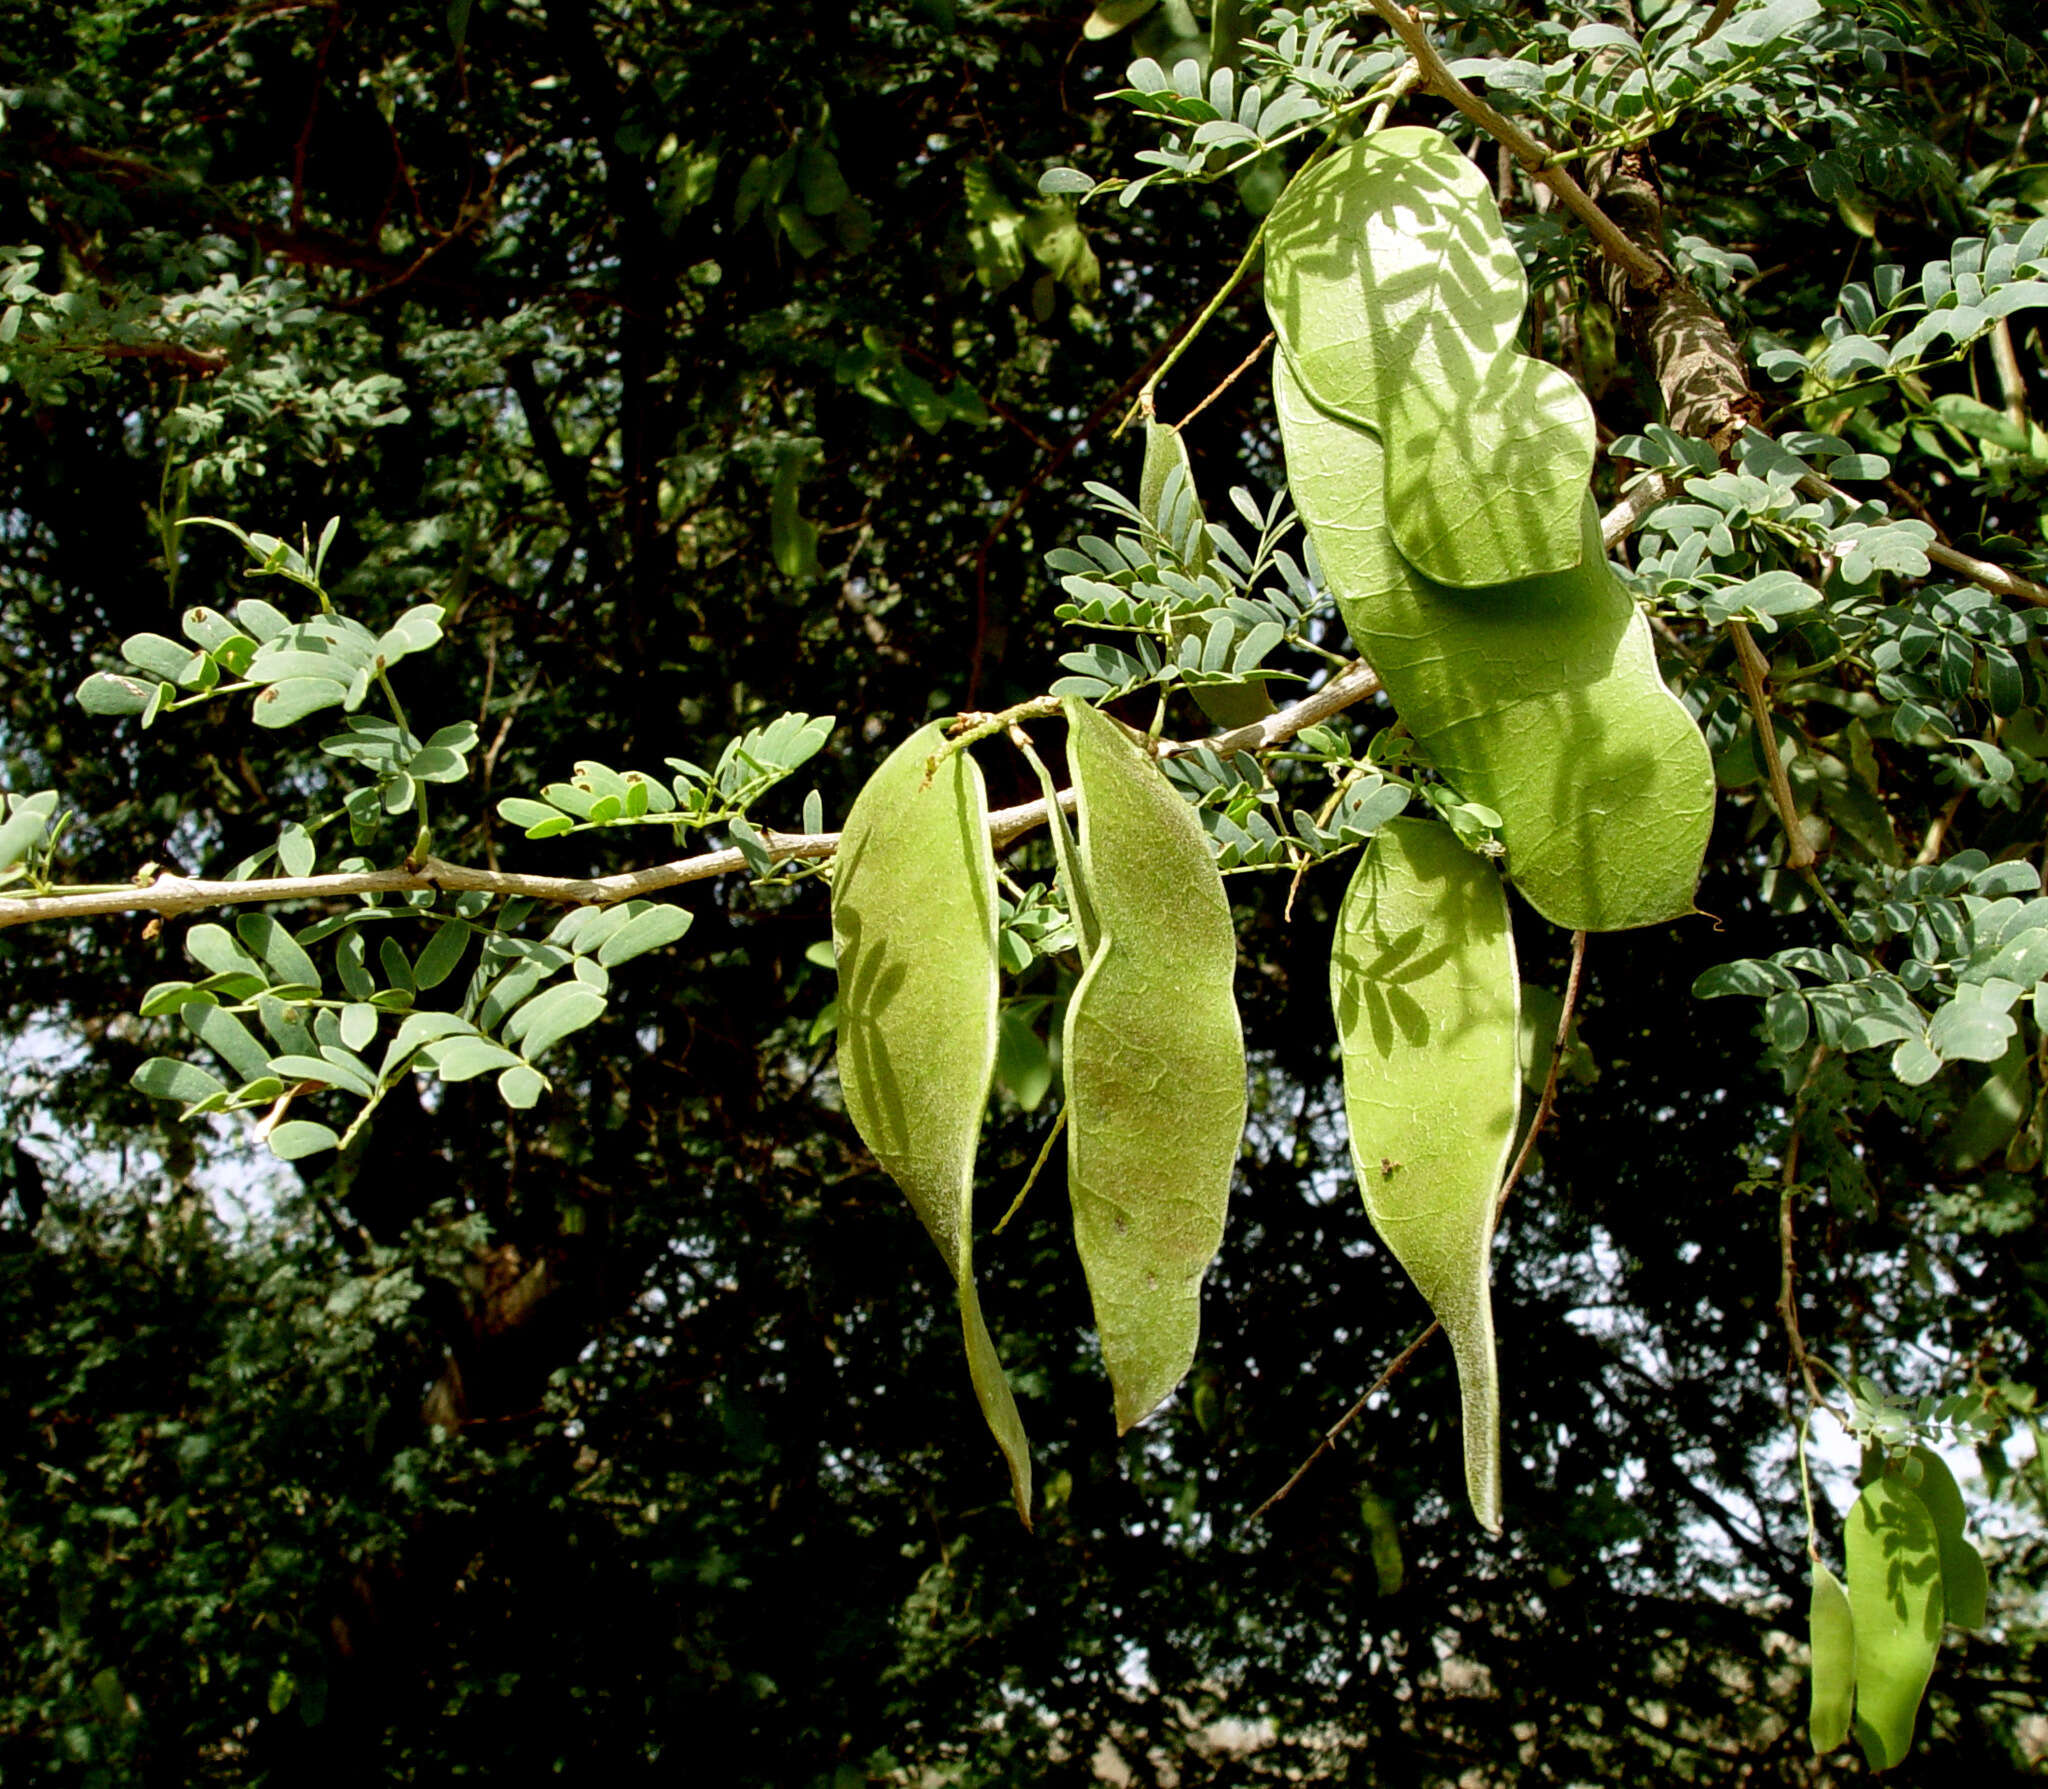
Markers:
1422,977
1895,1600
1965,1586
1396,296
1154,1064
1542,701
914,928
1164,451
1833,1636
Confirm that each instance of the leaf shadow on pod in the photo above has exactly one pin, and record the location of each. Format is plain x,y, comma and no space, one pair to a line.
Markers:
914,930
1541,699
1897,1605
1425,993
1154,1063
1397,298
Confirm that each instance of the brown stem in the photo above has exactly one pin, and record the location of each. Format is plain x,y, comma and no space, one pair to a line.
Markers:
1228,380
1788,1306
1752,667
1642,269
180,894
1394,1368
1549,1099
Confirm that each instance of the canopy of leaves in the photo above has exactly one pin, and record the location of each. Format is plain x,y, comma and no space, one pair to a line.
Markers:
697,367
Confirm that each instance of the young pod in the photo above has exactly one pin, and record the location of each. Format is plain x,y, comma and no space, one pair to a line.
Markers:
1422,979
914,928
1154,1063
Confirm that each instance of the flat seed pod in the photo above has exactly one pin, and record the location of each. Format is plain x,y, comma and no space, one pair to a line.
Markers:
1541,700
1154,1064
1396,296
914,928
1833,1636
1166,451
1422,977
1896,1603
1965,1586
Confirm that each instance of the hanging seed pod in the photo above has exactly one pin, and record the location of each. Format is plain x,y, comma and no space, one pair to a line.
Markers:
1154,1064
914,921
1422,978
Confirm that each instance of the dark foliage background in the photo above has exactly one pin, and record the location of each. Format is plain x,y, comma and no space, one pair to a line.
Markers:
627,1440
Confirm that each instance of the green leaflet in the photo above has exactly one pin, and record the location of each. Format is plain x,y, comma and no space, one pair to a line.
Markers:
1396,296
1422,977
1540,699
1154,1064
914,929
1965,1586
1833,1636
1164,452
1895,1599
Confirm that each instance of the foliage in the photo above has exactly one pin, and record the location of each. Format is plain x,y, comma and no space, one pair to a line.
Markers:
678,378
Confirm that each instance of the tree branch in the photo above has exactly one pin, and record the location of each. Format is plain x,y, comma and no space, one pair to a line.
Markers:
1624,518
1642,269
182,894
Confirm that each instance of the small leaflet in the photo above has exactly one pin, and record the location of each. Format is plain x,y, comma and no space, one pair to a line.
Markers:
1423,983
914,920
1154,1064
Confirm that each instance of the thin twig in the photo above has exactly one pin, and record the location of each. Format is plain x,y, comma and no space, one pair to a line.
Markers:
1788,1184
1642,268
1994,578
1148,394
1031,1180
181,894
1393,1369
1228,380
1752,667
1624,518
1549,1099
1400,1361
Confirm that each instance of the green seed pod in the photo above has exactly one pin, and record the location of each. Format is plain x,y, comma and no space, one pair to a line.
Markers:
914,920
1965,1586
1540,698
1833,1636
1166,452
1154,1064
1895,1600
1422,977
1396,296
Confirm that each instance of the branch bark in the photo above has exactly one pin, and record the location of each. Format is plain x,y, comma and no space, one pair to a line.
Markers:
182,894
1651,271
1700,370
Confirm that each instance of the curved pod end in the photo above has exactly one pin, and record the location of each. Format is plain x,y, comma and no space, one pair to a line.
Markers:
1427,1003
1154,1061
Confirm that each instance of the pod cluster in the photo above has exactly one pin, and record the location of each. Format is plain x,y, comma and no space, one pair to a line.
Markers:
1442,475
1911,1569
1153,1052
